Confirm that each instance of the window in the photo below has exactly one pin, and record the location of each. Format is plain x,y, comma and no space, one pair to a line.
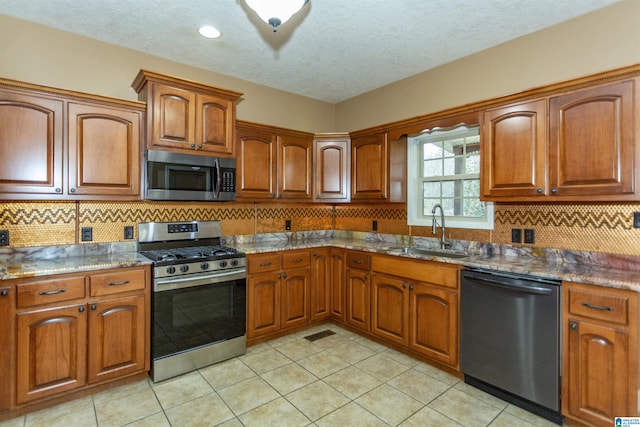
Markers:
444,169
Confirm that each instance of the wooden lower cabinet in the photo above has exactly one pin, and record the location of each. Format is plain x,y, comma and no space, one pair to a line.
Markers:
600,347
6,342
295,307
263,304
358,296
390,308
338,284
321,280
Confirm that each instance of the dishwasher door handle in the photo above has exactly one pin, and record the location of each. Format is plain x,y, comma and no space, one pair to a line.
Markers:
511,284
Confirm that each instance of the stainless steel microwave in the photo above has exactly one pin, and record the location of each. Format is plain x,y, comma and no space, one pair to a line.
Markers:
177,176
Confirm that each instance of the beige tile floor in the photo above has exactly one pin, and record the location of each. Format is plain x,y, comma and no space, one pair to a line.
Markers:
340,380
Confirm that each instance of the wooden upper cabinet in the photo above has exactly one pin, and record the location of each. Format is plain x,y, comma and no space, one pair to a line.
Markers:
369,167
575,146
32,144
514,150
592,143
331,159
273,163
104,150
295,164
187,116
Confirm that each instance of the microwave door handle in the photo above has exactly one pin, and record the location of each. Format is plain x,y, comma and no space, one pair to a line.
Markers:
217,179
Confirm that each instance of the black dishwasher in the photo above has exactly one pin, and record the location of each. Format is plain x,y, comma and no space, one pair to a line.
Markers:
510,338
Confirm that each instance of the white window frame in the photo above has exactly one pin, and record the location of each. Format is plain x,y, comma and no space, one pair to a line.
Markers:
414,185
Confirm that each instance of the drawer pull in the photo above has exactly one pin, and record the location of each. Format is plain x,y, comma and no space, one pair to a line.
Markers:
358,261
124,282
297,260
56,292
265,264
597,307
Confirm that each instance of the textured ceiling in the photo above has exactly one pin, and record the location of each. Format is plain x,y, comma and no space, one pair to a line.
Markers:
332,50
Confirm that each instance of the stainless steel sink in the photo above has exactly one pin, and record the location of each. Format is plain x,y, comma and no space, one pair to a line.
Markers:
445,253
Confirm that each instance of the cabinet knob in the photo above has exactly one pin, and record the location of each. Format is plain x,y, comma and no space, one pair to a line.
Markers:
193,145
73,190
93,307
4,293
199,145
313,254
366,276
279,276
58,190
410,287
573,326
284,275
383,196
539,190
81,309
404,286
554,190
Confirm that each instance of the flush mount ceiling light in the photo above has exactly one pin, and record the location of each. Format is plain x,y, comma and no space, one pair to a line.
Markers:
276,12
209,32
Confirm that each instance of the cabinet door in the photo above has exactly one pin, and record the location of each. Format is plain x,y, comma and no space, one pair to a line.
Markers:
390,308
214,125
32,144
598,373
50,352
592,144
263,304
332,159
369,166
434,323
173,115
514,152
358,298
6,343
117,335
321,275
104,151
255,164
338,284
295,304
295,163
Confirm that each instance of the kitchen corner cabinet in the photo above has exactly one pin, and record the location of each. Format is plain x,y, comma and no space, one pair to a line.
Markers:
331,159
338,287
76,330
278,294
415,304
273,163
67,145
569,146
186,116
600,353
358,284
328,292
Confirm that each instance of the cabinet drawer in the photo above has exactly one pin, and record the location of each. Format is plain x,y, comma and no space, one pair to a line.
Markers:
437,273
50,291
603,305
295,259
261,263
358,260
116,282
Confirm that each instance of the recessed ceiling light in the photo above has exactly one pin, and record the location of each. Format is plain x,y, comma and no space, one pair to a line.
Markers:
209,32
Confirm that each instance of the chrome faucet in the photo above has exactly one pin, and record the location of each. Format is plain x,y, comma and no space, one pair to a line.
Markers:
434,225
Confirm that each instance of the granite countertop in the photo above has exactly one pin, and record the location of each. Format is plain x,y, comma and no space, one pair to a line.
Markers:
32,262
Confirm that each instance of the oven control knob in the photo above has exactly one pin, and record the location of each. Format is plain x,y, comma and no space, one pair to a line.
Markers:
184,268
204,266
171,269
234,263
223,264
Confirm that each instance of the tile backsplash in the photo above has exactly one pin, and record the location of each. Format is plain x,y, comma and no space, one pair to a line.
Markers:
604,227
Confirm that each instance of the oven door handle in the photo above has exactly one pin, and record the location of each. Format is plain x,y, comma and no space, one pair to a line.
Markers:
188,282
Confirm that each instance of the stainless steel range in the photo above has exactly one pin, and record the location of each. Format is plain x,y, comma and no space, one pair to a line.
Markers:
199,296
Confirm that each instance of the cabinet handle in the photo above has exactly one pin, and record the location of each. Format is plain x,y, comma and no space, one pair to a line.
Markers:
193,145
366,276
284,275
313,254
539,190
81,309
4,293
93,307
573,326
554,190
279,276
124,282
59,291
358,261
265,264
297,260
597,307
199,145
404,286
383,196
58,190
410,287
73,190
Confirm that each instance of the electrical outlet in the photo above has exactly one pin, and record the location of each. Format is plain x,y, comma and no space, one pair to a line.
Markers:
86,234
374,225
636,220
128,232
4,237
287,224
516,235
529,235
